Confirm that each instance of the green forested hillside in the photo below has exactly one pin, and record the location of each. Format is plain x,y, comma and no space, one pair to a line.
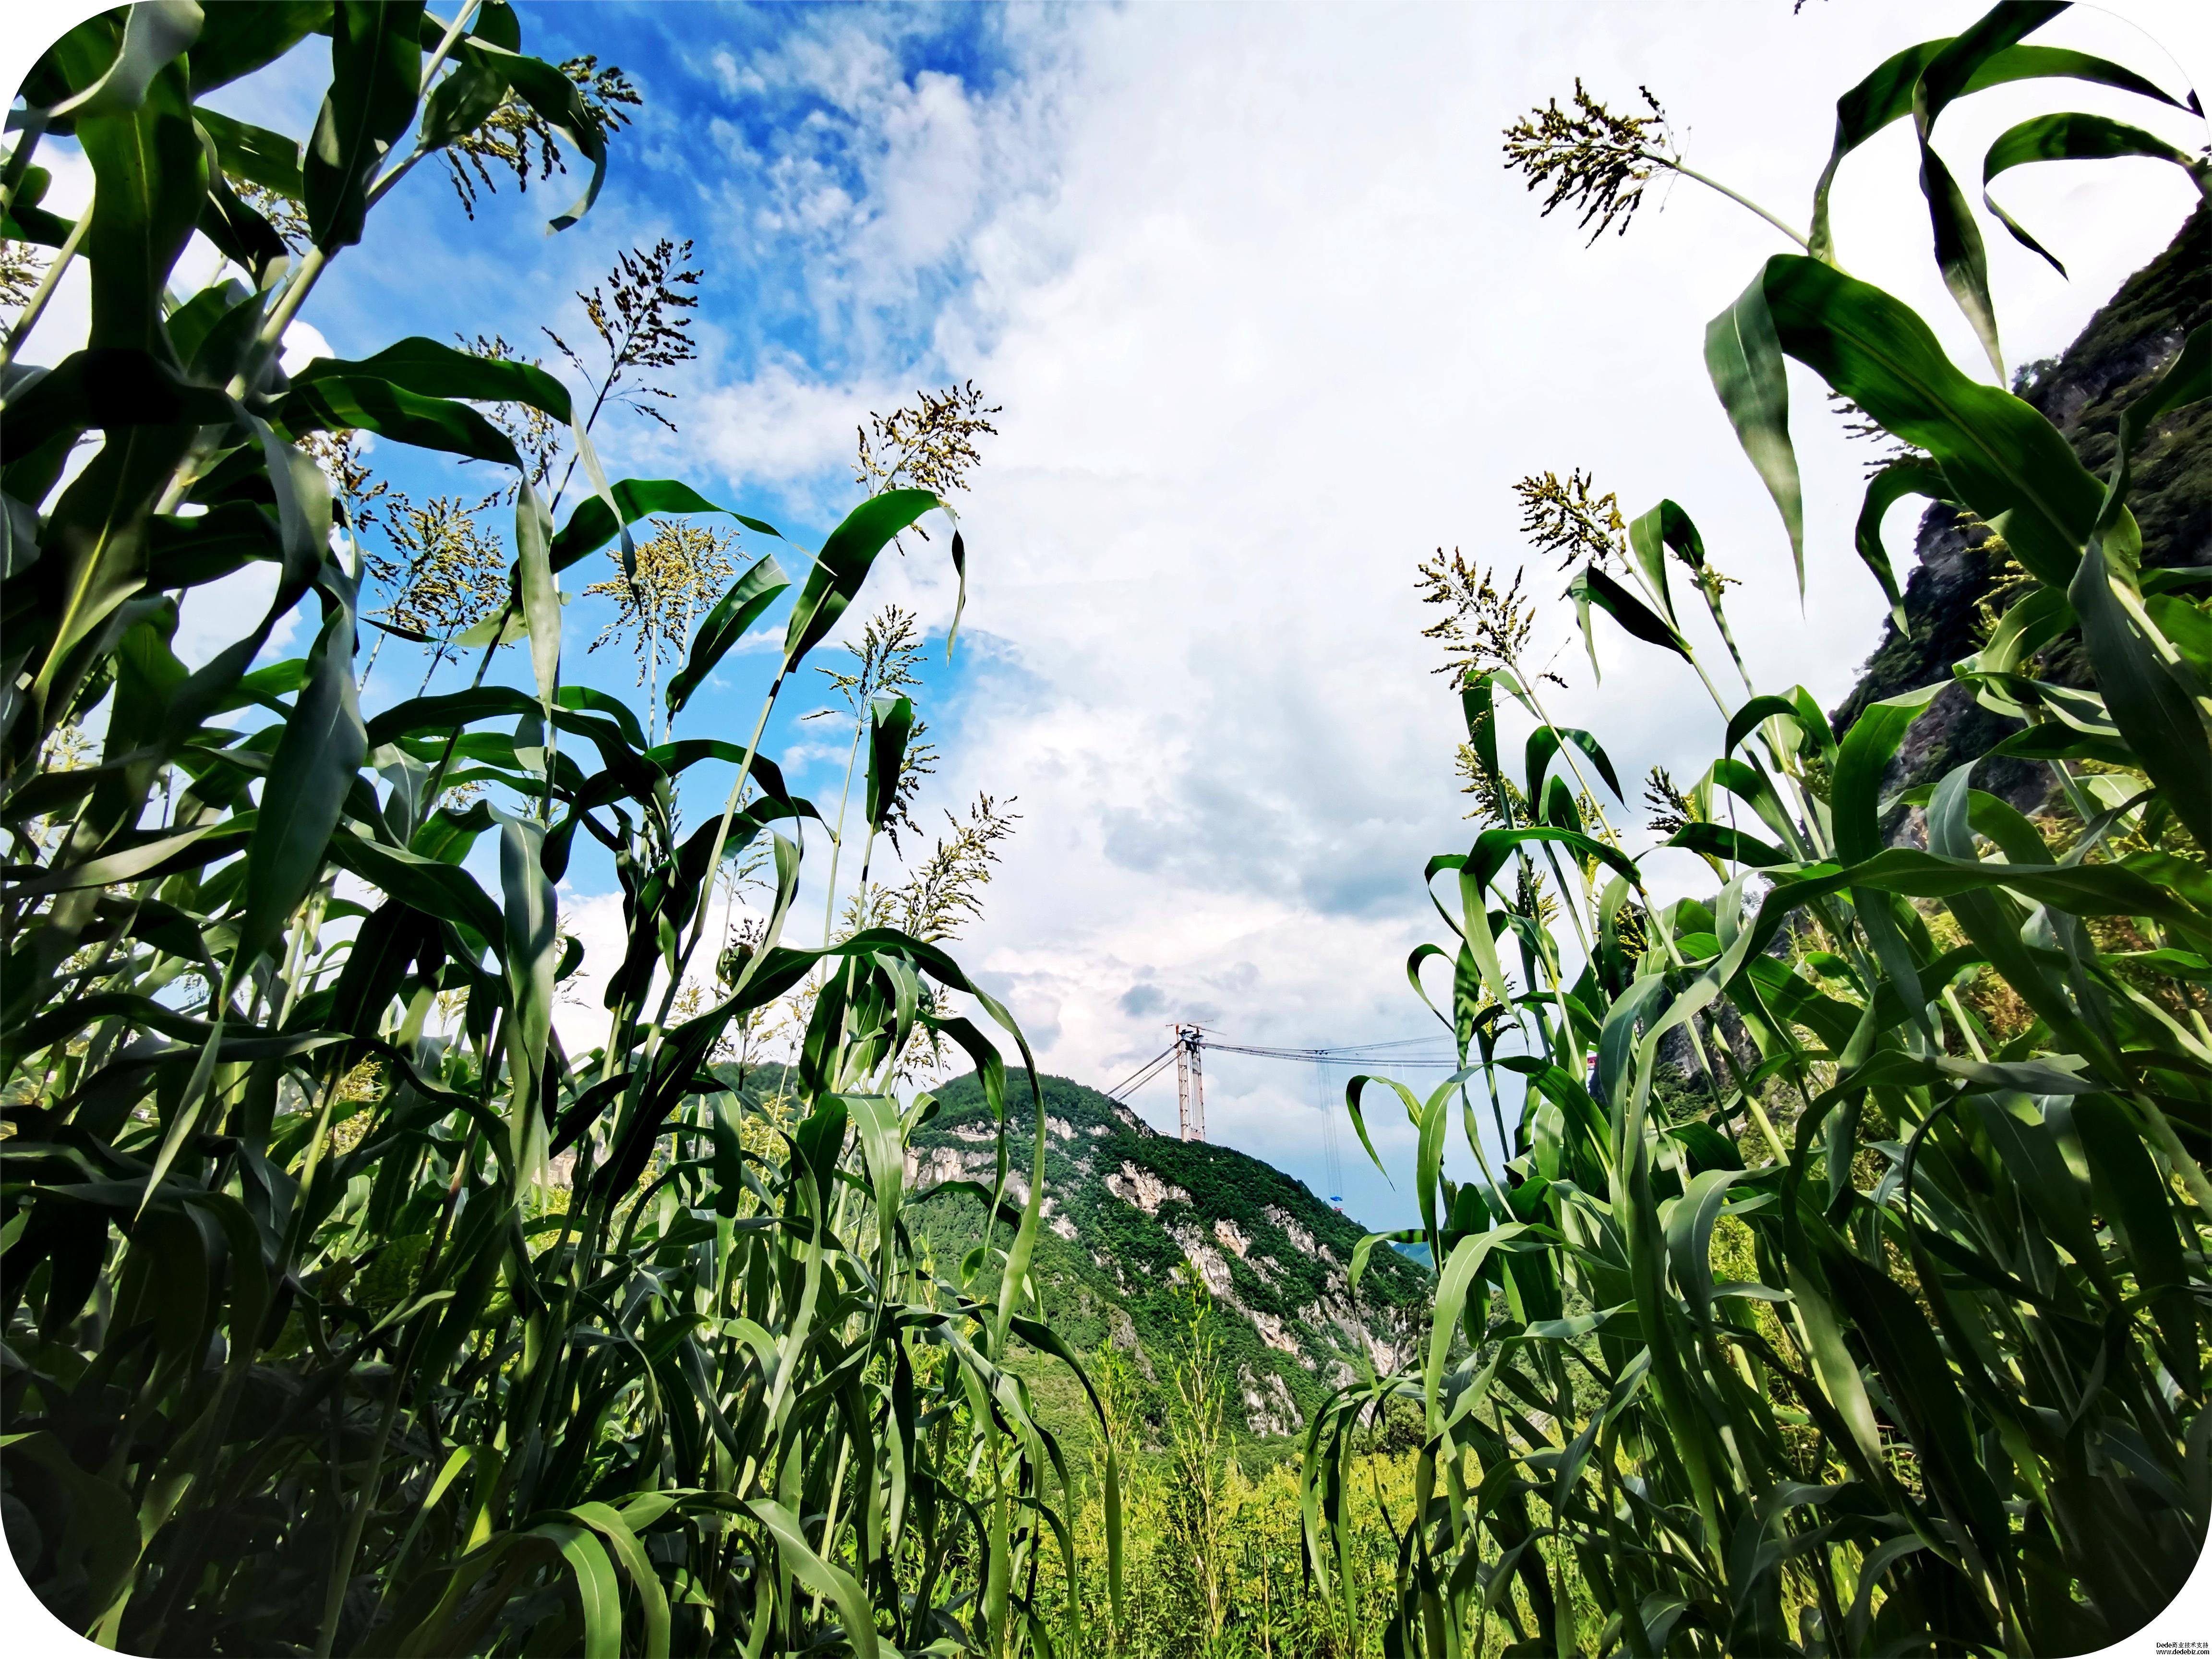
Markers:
1125,1207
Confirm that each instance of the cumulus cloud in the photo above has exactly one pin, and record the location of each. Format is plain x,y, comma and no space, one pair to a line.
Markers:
303,343
595,922
228,609
776,427
855,187
1278,326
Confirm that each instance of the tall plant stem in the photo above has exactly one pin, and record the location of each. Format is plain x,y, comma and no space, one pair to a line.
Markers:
357,1522
1770,728
837,841
1573,901
721,840
1666,937
270,341
1737,197
350,1546
867,857
445,755
552,506
437,661
1719,613
19,159
2162,1131
1568,751
317,259
47,285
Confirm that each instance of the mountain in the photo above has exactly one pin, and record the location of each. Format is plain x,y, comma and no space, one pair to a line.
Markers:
2083,391
1125,1206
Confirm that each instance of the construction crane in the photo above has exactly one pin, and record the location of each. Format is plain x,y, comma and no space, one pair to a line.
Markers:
1186,1051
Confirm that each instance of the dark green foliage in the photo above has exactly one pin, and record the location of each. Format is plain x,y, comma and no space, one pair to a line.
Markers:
1844,1288
344,1309
2082,392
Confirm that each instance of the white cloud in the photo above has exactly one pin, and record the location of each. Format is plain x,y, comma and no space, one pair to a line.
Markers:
579,1012
303,343
227,609
1281,327
930,178
1269,324
864,205
777,430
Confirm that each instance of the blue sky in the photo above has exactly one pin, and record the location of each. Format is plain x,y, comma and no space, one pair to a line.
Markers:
764,137
1269,325
761,141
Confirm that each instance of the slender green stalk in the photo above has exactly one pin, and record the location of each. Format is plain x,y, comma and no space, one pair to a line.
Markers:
722,833
27,320
19,159
837,836
1741,200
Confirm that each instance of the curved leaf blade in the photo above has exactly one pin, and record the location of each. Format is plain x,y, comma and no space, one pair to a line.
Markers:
844,562
1743,356
2071,136
314,768
375,70
1998,454
733,615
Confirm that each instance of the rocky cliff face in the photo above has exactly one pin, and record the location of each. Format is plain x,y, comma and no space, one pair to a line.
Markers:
1125,1207
2082,392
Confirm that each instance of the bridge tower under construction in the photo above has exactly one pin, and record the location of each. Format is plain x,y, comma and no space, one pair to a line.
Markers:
1187,1049
1190,1081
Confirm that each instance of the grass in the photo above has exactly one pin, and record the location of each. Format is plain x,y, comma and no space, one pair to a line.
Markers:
347,1311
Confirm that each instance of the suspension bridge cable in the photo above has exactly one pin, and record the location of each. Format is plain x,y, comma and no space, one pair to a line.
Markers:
1143,1074
1335,1056
1341,1050
1332,1159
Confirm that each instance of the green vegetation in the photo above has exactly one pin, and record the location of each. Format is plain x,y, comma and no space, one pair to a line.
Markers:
1216,1551
345,1309
1963,573
1873,1315
1127,1212
1205,1392
1843,1287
